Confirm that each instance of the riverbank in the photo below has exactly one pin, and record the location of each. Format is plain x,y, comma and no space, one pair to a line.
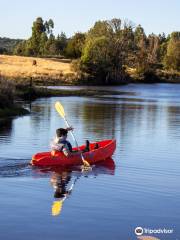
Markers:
38,92
54,71
13,112
32,93
8,97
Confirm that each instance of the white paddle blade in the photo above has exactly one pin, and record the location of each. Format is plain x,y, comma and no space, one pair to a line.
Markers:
59,108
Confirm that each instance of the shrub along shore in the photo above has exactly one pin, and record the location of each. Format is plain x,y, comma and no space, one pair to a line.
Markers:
8,95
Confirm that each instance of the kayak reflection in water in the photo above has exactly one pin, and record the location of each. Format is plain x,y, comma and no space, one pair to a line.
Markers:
60,183
64,179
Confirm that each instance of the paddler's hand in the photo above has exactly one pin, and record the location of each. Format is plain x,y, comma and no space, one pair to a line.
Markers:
70,129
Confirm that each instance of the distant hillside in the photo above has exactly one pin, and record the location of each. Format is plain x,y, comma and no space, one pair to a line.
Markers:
7,44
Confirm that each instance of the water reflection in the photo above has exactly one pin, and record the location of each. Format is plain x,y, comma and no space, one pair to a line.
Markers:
147,175
64,179
41,114
6,128
100,118
60,182
109,119
173,121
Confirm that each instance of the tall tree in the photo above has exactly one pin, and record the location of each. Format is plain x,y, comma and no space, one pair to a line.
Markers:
139,34
49,25
61,42
75,45
50,45
42,44
106,50
172,58
37,29
153,47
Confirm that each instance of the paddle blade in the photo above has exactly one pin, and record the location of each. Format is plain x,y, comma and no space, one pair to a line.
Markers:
56,207
86,164
59,108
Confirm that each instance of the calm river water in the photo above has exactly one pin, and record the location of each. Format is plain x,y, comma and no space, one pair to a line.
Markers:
142,190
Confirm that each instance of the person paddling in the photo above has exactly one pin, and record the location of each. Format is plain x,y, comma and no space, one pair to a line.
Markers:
61,143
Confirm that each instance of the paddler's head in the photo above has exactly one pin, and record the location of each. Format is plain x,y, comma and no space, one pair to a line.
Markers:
61,132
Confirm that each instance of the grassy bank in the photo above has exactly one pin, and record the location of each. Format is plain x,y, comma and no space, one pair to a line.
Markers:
45,71
55,71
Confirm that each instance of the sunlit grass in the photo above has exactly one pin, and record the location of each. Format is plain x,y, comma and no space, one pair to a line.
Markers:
15,67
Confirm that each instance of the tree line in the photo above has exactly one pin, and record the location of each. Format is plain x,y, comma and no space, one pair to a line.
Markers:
107,50
7,45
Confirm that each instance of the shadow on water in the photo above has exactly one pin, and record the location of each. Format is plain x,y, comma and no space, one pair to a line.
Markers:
6,127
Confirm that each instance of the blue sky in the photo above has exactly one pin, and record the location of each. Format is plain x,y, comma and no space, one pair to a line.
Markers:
156,16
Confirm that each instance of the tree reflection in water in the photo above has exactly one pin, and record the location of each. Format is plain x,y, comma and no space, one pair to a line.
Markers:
6,129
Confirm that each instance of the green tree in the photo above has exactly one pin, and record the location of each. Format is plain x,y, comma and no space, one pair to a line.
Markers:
36,44
141,55
75,45
106,50
96,57
61,43
139,34
37,29
172,58
153,47
29,50
163,41
49,25
50,46
20,48
42,44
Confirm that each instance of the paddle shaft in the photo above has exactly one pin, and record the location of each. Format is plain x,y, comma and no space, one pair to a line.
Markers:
68,125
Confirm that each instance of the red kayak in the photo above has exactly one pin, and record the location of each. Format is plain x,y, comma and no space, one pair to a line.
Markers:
105,150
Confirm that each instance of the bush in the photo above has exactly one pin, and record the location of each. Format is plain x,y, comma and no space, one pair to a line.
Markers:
7,91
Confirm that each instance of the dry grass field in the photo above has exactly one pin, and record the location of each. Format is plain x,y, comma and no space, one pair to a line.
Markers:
16,67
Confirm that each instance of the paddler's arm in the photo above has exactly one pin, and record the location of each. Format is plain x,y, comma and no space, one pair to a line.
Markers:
67,152
70,129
